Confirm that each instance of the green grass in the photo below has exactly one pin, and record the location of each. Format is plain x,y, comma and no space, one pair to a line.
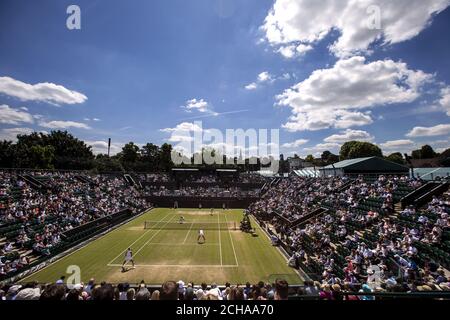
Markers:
169,254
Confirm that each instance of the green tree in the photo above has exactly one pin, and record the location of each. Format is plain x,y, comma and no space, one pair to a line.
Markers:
345,149
103,163
42,157
309,158
359,149
70,152
396,157
329,158
6,154
22,150
283,165
416,154
445,158
165,157
427,152
129,154
149,155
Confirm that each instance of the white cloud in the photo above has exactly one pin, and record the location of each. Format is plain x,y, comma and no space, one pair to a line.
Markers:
198,105
445,100
251,86
294,22
57,124
346,119
264,76
397,143
302,49
439,130
401,146
287,51
10,134
184,127
349,135
9,115
335,97
295,144
292,51
44,92
101,147
321,147
180,138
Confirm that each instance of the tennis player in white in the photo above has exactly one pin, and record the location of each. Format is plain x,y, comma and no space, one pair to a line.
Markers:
201,235
128,258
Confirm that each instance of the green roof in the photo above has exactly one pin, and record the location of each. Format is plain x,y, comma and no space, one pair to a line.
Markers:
370,164
346,163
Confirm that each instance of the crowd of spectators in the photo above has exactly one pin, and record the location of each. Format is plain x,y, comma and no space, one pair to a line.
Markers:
295,197
32,221
202,184
170,290
154,177
181,291
358,241
201,192
199,177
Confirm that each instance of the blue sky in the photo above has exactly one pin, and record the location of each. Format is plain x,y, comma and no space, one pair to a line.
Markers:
137,67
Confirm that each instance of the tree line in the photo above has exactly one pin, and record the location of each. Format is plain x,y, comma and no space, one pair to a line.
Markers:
360,149
61,150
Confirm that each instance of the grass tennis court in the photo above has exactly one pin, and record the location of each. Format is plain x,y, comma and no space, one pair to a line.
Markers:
166,250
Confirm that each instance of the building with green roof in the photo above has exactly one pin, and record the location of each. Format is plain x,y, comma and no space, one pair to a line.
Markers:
364,166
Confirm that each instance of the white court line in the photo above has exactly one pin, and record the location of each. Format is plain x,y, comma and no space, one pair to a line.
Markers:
232,244
180,265
189,231
220,241
137,240
67,253
121,252
151,238
278,248
429,173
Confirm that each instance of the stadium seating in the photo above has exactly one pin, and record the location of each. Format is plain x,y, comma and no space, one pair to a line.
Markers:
39,208
350,235
361,231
